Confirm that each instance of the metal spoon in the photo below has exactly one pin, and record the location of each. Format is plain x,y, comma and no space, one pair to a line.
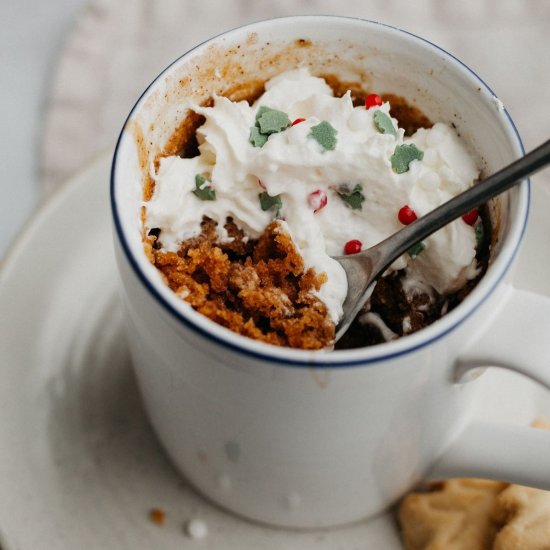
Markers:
364,268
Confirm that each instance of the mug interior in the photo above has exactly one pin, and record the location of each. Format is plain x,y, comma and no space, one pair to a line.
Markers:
368,55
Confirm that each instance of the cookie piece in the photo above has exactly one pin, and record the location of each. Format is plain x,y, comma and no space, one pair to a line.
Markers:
474,514
453,515
524,514
541,423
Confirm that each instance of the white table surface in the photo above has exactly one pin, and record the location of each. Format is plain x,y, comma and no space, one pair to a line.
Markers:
54,120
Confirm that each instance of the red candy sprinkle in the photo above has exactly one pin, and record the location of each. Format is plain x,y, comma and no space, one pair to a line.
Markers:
406,215
373,100
317,200
297,121
471,217
353,247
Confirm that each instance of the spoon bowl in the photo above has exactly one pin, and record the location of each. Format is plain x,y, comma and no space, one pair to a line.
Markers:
364,268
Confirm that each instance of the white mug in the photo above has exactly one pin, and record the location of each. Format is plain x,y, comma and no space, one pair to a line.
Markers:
315,439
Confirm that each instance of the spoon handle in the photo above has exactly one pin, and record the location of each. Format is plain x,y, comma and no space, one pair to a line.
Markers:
394,246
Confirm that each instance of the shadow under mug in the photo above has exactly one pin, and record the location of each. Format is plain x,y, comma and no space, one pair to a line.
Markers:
315,439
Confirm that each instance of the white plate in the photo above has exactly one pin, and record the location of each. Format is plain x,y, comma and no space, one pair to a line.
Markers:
79,464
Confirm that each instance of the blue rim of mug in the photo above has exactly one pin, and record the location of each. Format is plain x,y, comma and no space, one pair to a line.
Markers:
319,359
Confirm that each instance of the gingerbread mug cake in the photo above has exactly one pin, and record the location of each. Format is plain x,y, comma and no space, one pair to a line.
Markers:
244,218
317,437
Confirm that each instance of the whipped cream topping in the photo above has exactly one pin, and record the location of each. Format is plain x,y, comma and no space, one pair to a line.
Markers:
295,166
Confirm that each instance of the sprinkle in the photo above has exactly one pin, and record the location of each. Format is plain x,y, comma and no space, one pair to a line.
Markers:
297,121
325,134
203,189
268,121
480,233
383,123
406,215
416,249
272,121
353,247
317,200
267,202
354,198
471,217
196,529
373,100
256,138
403,156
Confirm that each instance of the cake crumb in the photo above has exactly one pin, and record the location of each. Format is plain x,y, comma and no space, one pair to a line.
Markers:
257,288
157,516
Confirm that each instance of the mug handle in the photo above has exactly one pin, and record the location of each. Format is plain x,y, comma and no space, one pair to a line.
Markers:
514,454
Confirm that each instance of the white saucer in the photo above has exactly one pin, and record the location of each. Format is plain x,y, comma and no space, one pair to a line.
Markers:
79,464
